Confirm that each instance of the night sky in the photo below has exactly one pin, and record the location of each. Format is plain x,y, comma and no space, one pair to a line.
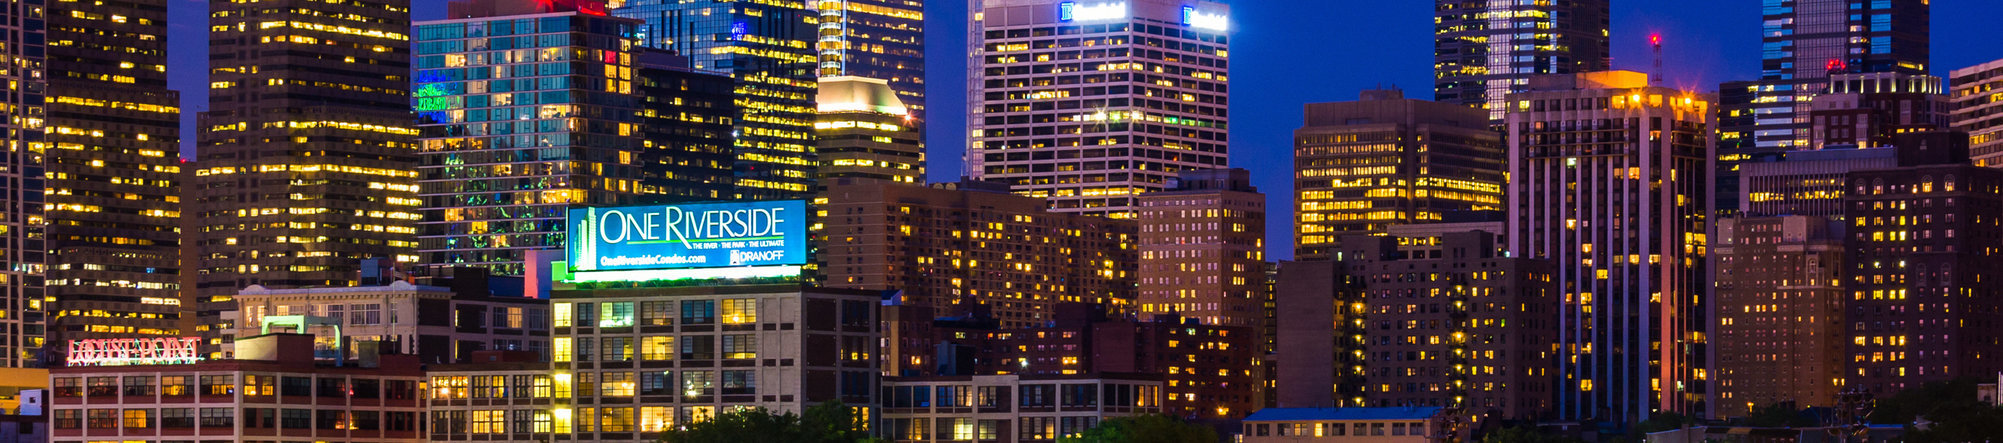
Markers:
1291,52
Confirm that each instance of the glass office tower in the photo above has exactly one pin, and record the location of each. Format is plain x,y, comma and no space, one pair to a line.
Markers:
1484,50
526,111
769,47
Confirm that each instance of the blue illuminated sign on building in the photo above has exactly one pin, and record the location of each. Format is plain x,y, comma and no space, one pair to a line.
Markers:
1064,11
688,236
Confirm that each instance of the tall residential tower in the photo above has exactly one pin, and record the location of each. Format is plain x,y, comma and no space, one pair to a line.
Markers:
1203,250
1610,181
1091,104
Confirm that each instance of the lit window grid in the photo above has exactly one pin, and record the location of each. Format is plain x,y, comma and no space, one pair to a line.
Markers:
1073,184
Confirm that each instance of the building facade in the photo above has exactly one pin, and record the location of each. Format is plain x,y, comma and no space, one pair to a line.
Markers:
948,246
1011,408
1610,183
1347,425
1383,160
770,49
1481,53
23,114
277,392
1446,321
1868,110
1203,249
1975,96
1802,43
307,154
502,396
1780,335
1807,183
1922,237
1133,94
437,324
113,169
685,121
514,139
864,130
643,360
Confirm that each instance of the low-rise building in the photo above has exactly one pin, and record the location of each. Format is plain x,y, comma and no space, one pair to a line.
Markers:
1346,425
1011,408
274,390
502,396
1209,372
640,360
441,324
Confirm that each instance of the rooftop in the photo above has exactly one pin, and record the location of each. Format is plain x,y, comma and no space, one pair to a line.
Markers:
1339,414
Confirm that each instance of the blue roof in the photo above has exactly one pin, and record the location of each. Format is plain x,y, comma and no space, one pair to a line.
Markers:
1327,414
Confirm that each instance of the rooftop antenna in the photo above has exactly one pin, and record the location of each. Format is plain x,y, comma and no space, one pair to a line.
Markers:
1655,40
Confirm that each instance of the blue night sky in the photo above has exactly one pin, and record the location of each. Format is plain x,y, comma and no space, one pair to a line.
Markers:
1291,52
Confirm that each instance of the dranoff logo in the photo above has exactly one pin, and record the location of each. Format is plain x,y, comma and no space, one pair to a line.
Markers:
704,235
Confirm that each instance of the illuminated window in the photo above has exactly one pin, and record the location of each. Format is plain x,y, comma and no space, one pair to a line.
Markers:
616,384
656,419
615,315
657,348
138,418
740,346
739,311
562,314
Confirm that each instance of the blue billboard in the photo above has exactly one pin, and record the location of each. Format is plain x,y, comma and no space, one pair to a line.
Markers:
688,236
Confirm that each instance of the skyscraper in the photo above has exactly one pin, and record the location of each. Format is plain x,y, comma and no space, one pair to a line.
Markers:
1802,43
864,130
1483,50
1131,95
1383,160
307,160
769,47
22,117
1203,250
1976,92
114,173
1610,180
514,139
881,39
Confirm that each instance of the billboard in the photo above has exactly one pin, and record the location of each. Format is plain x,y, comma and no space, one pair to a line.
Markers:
688,236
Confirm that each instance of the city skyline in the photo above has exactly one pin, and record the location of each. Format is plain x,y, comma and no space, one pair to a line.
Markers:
638,220
1705,43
